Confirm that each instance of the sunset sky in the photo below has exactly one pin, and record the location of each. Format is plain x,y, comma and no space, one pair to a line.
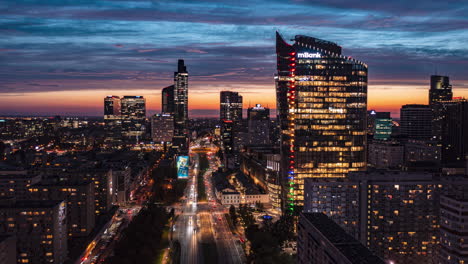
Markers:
63,56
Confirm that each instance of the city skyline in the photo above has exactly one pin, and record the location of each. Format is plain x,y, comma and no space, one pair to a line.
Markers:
63,58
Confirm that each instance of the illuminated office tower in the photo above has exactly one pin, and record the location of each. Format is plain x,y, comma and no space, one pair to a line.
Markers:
167,100
133,111
230,106
441,89
258,125
181,106
322,106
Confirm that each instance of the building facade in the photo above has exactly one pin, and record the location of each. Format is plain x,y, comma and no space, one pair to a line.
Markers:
167,100
79,198
395,214
258,125
40,228
450,128
441,89
321,105
322,241
230,107
416,121
181,106
162,128
133,111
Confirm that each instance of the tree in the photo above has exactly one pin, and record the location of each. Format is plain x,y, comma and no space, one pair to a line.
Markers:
233,214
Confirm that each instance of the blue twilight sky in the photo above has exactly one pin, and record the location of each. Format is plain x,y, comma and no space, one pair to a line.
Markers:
65,55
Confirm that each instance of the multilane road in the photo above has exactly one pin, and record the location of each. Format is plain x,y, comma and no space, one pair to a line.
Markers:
202,223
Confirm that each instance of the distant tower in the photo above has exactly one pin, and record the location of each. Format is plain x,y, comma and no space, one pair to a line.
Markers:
167,100
181,106
258,125
441,89
230,106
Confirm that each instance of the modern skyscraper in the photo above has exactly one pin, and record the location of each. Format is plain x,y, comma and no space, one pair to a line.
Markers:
322,105
181,106
111,106
383,126
415,121
441,89
450,128
133,111
167,100
230,114
112,119
230,106
258,125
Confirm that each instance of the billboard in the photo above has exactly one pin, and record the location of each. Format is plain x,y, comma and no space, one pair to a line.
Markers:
182,167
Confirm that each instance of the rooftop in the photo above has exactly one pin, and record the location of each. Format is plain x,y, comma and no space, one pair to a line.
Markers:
351,248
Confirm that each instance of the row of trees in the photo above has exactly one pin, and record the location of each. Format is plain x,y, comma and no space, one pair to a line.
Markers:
265,241
141,240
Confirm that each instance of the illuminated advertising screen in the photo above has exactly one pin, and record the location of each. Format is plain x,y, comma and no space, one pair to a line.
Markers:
182,167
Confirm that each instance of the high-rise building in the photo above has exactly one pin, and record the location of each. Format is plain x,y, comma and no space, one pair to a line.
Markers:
230,106
111,106
453,218
162,128
383,126
450,129
80,201
322,241
181,106
112,119
322,106
40,228
133,111
258,125
167,100
16,183
232,134
415,121
393,213
441,89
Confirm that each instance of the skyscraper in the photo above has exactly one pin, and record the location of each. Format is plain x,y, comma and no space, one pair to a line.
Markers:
321,104
230,106
181,106
258,125
112,119
111,106
450,129
230,114
441,89
383,126
415,121
167,100
133,110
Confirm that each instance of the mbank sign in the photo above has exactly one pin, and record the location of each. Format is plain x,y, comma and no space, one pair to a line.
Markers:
307,55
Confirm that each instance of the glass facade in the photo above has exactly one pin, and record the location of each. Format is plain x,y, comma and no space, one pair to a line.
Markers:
322,108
